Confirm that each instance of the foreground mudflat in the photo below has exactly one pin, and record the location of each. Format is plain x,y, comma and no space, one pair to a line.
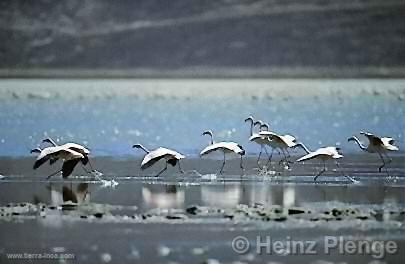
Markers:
194,217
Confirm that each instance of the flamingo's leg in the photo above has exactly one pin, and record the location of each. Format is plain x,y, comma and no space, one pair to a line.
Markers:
288,157
270,156
84,168
383,165
223,165
321,172
283,159
160,172
347,176
180,169
382,159
260,154
241,163
53,174
388,158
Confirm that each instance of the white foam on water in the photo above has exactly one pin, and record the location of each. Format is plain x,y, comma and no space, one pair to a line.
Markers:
97,173
210,177
109,183
163,251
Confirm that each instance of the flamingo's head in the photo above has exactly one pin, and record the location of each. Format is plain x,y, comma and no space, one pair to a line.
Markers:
297,144
138,146
35,150
351,139
265,125
339,153
49,141
250,118
242,152
258,122
207,132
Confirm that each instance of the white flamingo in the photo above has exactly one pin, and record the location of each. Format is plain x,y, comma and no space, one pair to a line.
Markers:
75,147
324,154
265,127
225,147
256,138
377,145
170,156
70,158
281,142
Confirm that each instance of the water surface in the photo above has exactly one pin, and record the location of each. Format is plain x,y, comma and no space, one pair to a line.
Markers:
110,115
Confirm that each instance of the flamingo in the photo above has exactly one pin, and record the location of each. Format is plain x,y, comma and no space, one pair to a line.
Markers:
282,142
75,147
70,157
225,147
170,156
265,127
377,145
260,140
324,154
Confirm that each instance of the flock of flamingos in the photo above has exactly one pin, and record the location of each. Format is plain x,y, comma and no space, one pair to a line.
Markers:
71,153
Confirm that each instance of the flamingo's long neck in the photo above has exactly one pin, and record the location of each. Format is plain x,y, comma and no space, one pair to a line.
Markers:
300,144
144,149
52,142
360,144
212,138
260,129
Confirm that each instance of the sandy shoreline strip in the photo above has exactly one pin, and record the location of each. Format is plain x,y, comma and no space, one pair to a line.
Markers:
196,88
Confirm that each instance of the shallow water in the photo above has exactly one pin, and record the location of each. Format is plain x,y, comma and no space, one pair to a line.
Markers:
110,115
